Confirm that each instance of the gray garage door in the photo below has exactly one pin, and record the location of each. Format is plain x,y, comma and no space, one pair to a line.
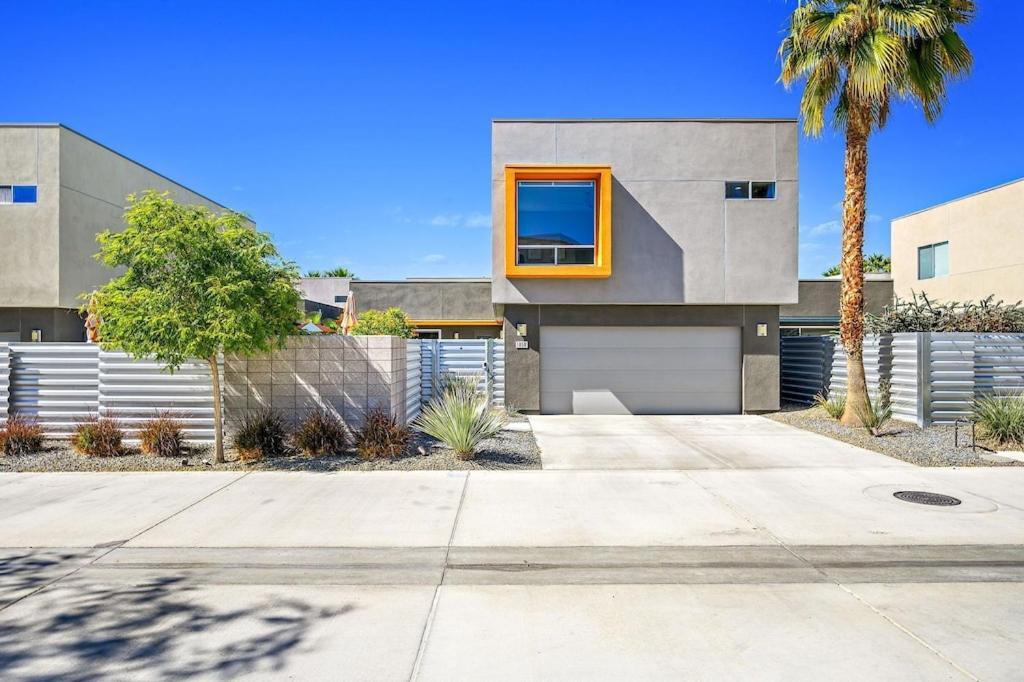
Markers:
640,370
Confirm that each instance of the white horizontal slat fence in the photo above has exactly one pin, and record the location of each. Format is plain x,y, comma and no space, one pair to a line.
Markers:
135,391
484,358
5,381
55,384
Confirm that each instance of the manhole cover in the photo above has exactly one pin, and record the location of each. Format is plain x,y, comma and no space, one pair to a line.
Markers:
922,497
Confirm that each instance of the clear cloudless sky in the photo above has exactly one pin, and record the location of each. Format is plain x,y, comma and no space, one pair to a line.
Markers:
358,134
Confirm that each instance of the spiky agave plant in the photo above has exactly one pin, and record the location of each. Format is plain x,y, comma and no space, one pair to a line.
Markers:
460,420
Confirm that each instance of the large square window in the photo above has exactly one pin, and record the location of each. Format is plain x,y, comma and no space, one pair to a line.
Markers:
558,221
933,260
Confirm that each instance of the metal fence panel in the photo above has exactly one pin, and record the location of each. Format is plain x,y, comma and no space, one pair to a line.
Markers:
806,367
5,381
135,391
56,384
484,358
413,375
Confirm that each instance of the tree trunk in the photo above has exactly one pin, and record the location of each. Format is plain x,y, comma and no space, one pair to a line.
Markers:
851,302
218,419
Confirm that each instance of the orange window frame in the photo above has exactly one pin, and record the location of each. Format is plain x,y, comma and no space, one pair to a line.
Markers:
602,267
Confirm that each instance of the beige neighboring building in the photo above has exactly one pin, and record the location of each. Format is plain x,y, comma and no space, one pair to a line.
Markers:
965,249
58,188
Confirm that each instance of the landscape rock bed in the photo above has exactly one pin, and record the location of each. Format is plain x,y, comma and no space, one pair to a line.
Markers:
930,447
511,449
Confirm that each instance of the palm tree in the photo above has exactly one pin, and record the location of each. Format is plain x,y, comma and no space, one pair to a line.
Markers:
875,262
340,271
857,56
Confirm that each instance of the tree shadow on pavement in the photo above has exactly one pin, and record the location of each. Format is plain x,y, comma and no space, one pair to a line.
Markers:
161,628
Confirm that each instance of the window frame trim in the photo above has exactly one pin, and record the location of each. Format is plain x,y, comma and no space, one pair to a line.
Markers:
602,177
931,247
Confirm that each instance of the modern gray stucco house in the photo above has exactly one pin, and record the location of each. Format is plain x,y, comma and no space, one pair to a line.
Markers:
58,189
671,303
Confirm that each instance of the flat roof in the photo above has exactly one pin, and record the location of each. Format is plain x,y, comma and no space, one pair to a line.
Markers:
960,198
425,280
114,151
768,119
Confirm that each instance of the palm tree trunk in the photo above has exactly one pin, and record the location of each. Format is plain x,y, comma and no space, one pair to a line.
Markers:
851,302
218,421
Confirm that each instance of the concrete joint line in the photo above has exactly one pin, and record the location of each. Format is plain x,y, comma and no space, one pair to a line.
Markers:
117,545
429,623
840,585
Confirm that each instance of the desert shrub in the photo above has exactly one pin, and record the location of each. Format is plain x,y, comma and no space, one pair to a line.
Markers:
1001,418
261,434
921,314
461,421
320,433
464,386
875,414
390,322
381,435
98,437
833,402
162,436
21,436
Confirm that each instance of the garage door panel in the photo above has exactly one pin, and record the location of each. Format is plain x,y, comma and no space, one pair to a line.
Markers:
659,359
640,370
634,381
640,337
644,402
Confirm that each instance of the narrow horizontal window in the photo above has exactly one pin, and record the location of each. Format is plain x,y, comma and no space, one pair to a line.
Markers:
582,255
537,255
737,190
24,194
762,190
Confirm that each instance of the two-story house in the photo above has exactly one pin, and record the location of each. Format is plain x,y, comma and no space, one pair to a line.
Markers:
58,189
639,265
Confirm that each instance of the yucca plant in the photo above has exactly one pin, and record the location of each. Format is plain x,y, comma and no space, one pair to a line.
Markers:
461,421
875,414
1001,418
463,386
833,402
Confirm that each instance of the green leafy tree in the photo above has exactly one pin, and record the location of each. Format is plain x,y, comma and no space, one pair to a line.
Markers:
876,262
390,322
856,57
339,271
196,284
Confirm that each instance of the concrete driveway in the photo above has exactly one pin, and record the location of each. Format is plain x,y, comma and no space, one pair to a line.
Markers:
690,442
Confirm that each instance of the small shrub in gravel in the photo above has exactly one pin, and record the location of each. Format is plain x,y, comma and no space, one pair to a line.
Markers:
875,414
1001,418
320,433
834,403
98,437
381,435
262,434
461,420
162,436
21,436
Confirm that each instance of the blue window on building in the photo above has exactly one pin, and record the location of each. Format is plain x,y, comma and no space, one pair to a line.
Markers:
554,214
24,194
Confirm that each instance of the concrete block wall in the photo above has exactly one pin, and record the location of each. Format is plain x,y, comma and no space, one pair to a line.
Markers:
348,375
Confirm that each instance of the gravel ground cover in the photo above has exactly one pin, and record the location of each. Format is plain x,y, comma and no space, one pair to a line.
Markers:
511,449
930,447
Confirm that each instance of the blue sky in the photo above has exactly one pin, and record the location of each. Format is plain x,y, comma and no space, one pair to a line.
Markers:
360,134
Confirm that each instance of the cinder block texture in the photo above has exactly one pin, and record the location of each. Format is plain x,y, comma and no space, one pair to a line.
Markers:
348,375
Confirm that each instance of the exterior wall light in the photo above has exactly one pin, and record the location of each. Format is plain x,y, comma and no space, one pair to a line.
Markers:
762,329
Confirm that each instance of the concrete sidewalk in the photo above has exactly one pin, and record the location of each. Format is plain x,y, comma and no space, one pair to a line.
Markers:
754,574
